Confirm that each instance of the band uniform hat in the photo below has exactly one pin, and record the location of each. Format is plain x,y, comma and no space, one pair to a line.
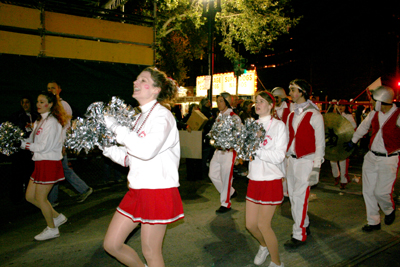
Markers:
279,91
384,94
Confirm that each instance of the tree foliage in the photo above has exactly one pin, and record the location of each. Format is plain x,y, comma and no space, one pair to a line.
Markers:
254,24
181,32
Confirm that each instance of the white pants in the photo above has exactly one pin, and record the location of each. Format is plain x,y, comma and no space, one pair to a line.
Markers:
342,172
221,174
378,178
297,175
284,180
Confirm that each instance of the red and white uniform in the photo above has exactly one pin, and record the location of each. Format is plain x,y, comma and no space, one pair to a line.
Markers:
307,145
46,142
282,113
152,152
46,139
221,167
341,168
381,163
268,165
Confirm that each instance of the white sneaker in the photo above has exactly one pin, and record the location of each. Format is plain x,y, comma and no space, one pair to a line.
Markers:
48,233
261,255
274,264
60,220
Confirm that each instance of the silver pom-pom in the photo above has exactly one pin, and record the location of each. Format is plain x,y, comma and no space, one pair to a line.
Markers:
226,132
92,131
251,137
125,114
10,136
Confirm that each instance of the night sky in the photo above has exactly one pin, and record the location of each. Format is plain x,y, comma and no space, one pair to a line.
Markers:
340,47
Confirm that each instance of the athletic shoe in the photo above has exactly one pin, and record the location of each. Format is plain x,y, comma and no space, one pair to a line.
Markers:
222,209
60,220
370,228
294,243
274,264
48,233
84,196
337,180
389,219
261,256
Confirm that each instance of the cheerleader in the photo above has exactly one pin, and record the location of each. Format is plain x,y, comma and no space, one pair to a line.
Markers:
265,190
151,149
45,142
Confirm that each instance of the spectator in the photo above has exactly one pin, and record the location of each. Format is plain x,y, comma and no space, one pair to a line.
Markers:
192,107
24,119
245,112
83,189
205,107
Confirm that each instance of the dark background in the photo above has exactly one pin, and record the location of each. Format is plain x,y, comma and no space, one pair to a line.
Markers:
340,47
82,82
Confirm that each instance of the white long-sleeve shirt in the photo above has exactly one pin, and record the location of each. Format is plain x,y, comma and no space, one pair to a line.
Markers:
378,144
317,122
153,154
46,139
268,163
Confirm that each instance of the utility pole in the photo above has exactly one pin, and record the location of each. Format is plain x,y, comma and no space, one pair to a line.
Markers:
210,14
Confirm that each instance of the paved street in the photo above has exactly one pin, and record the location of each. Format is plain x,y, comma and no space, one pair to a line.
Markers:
204,239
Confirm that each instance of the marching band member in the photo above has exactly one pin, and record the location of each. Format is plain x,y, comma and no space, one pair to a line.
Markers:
283,106
282,111
381,163
305,152
340,169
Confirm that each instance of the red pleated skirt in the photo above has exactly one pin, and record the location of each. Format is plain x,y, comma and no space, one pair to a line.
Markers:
152,206
265,192
48,172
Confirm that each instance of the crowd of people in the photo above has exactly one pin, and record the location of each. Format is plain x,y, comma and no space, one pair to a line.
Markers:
287,162
290,158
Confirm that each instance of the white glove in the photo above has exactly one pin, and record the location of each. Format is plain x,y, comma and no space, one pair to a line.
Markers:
314,176
23,145
111,123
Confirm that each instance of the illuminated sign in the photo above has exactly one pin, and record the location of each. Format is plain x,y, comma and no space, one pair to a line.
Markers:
201,89
247,83
226,82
